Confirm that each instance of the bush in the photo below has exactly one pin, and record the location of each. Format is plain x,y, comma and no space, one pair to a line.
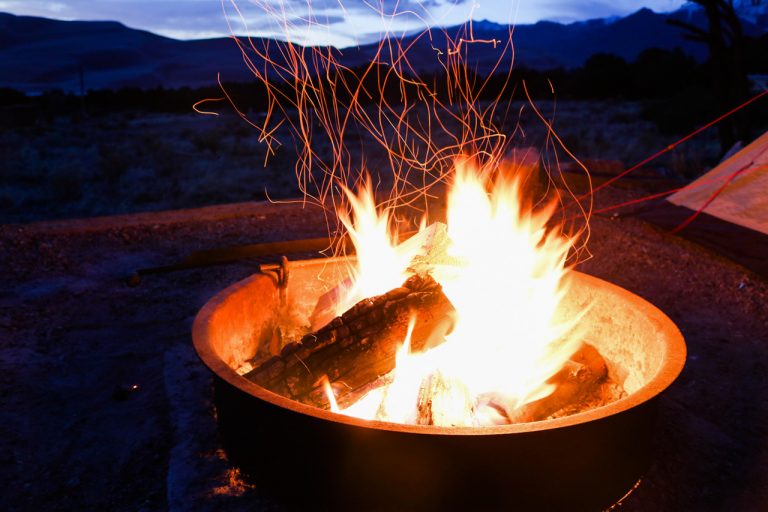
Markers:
604,76
10,96
114,162
208,140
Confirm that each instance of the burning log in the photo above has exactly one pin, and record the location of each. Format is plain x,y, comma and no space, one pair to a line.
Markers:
581,381
445,401
358,347
429,247
580,384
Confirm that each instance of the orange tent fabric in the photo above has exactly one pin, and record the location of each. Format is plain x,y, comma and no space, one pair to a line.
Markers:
726,209
735,191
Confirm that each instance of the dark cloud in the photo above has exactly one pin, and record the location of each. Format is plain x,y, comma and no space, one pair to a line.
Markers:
349,21
557,10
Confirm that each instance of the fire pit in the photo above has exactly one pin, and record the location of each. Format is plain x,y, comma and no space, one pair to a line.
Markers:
308,456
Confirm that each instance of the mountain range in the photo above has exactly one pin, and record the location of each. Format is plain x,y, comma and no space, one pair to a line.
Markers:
38,54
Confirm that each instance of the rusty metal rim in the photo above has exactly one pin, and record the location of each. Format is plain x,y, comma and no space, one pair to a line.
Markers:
671,366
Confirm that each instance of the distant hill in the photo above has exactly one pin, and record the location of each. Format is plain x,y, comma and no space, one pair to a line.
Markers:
38,54
548,44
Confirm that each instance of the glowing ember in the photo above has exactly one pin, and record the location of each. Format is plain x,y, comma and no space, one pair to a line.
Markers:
504,272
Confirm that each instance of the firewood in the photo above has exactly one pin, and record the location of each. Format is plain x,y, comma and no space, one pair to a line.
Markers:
429,247
445,401
358,347
578,381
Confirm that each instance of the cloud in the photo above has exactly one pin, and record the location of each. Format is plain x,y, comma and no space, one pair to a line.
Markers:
324,22
339,22
590,9
160,14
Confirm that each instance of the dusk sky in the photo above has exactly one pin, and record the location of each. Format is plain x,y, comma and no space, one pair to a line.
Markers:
337,22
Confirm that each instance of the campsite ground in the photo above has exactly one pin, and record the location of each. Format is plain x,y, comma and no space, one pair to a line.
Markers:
74,339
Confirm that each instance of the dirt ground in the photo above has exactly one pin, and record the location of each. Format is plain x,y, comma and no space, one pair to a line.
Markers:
106,406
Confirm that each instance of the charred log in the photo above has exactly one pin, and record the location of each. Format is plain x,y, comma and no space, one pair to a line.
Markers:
358,347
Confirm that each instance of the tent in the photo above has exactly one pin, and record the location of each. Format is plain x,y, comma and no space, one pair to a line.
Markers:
726,209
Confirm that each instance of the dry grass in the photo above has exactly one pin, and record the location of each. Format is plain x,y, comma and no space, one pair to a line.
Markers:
130,162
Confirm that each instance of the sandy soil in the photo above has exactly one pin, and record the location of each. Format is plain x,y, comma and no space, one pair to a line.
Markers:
74,339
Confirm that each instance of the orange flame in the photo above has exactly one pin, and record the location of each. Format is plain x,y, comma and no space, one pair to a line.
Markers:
505,275
381,265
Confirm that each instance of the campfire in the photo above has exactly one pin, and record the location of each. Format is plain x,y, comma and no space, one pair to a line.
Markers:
463,364
450,368
591,434
459,325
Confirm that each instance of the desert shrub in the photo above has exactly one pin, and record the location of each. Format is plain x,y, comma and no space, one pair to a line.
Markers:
165,159
20,162
603,76
144,197
658,73
10,96
113,162
211,140
66,186
681,112
7,203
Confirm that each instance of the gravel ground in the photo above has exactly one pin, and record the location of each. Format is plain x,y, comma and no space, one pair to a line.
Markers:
74,340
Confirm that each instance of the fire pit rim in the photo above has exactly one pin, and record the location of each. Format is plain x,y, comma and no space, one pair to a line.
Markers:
670,368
